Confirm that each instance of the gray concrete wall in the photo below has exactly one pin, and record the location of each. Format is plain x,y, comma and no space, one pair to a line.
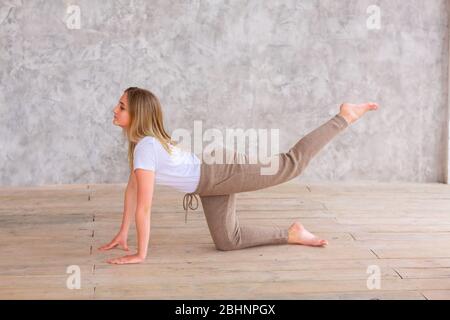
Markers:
233,64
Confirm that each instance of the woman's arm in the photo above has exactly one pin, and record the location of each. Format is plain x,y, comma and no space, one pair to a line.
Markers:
129,209
145,183
129,204
145,187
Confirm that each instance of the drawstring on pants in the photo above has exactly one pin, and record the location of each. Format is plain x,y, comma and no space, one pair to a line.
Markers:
187,203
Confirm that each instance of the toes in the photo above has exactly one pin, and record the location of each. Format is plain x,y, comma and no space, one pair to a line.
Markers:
315,242
368,106
320,242
373,106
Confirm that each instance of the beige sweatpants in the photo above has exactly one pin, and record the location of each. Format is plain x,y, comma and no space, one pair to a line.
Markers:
219,184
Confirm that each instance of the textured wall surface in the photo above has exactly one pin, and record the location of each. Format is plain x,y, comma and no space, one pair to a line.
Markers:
232,64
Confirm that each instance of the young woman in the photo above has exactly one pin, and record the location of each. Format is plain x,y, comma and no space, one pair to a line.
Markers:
154,158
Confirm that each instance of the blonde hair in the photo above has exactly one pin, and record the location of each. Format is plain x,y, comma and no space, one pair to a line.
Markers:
146,119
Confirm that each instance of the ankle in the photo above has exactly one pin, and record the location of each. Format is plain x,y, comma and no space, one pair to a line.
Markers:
293,231
291,235
346,117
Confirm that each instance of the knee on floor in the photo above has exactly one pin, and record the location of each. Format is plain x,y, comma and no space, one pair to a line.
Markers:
226,240
225,246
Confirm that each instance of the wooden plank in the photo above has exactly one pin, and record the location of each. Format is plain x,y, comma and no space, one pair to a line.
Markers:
282,252
401,236
423,273
416,251
437,294
401,228
43,281
291,289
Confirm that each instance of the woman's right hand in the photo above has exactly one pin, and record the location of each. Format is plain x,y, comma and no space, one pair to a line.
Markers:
119,240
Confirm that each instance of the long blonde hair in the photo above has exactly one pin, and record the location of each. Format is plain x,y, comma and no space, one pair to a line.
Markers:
146,119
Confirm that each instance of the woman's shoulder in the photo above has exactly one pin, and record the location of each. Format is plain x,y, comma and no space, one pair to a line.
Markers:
146,140
150,141
144,144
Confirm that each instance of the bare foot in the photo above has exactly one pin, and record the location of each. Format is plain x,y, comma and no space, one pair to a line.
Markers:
299,235
352,112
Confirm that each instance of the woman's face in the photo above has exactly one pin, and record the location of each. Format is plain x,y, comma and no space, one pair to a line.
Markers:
121,115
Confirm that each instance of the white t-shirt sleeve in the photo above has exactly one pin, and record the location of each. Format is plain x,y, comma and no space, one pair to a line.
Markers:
144,156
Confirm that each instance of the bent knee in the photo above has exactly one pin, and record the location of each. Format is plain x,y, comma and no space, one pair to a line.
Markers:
226,241
225,246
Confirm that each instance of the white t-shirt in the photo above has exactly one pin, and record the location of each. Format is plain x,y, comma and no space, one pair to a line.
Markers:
180,170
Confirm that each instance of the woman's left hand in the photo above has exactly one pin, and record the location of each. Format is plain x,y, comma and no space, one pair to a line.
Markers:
134,258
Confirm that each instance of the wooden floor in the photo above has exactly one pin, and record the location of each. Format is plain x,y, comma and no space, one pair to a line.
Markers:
401,229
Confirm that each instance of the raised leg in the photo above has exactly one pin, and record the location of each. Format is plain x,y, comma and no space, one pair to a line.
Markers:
243,177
